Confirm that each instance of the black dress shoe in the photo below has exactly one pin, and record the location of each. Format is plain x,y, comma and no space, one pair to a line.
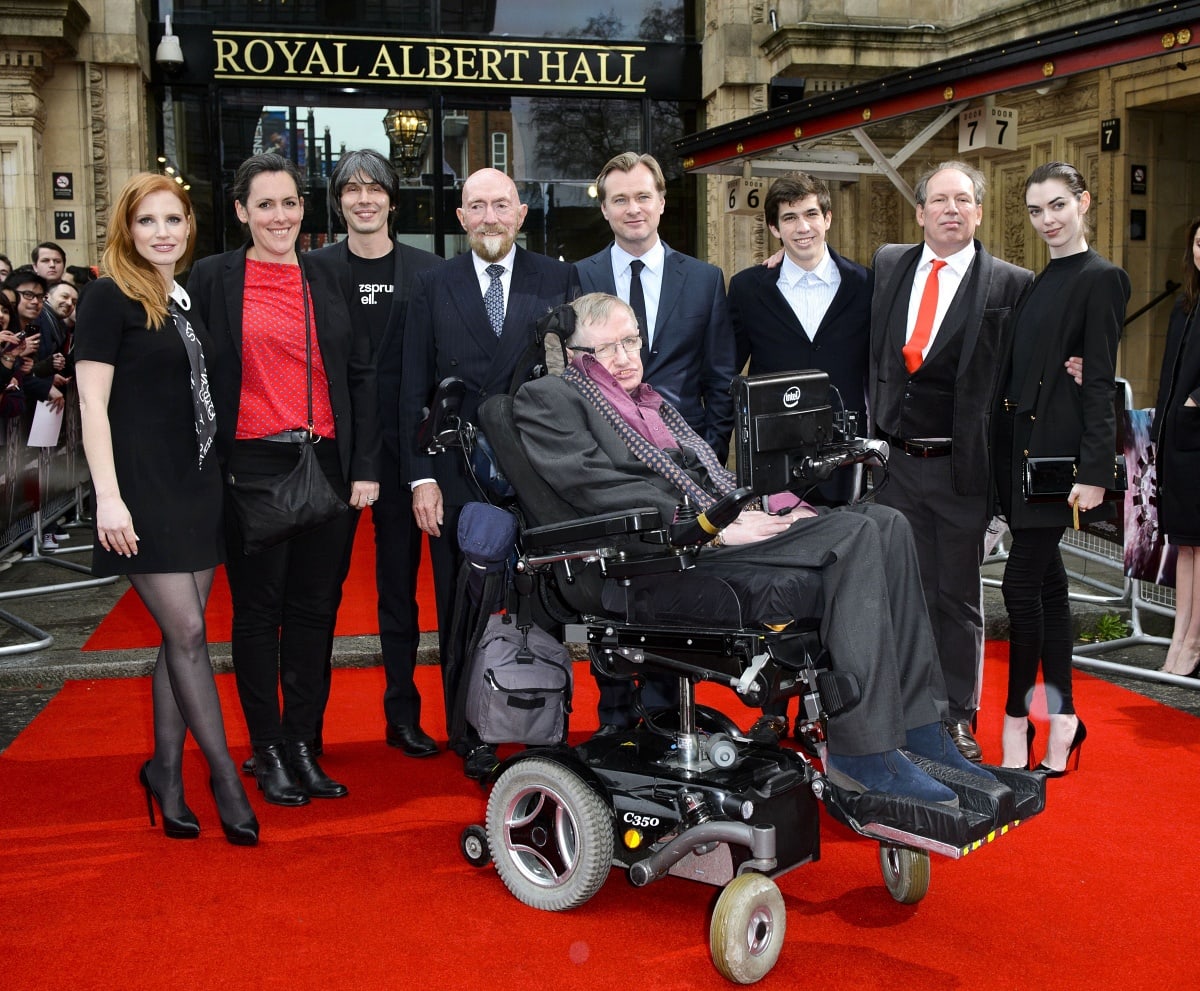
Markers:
315,782
768,729
479,764
608,729
275,778
413,740
248,766
960,733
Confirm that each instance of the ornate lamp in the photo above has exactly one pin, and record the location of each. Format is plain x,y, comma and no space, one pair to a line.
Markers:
407,130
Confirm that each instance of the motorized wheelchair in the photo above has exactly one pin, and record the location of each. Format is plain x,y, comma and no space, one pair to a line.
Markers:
687,792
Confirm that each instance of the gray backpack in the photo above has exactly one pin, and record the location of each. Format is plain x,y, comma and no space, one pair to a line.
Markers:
519,686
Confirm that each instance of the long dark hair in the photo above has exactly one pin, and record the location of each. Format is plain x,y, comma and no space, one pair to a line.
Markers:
1191,274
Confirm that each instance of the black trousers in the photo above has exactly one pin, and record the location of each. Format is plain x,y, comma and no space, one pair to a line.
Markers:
397,560
445,556
285,601
1039,613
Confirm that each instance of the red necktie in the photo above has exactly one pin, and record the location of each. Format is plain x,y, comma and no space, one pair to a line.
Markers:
924,325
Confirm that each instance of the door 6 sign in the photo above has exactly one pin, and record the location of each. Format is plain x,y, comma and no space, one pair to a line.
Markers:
64,225
745,196
987,129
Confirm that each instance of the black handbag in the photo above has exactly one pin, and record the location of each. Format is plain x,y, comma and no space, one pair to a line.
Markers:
1051,479
273,509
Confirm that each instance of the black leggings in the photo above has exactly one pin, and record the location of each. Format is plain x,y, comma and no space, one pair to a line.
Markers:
1039,613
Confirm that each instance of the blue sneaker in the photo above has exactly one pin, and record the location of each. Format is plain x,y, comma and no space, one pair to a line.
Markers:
932,742
888,773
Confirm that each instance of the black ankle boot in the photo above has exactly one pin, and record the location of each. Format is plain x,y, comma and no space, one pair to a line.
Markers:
312,779
275,778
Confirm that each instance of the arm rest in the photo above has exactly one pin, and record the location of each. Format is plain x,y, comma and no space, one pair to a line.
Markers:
592,528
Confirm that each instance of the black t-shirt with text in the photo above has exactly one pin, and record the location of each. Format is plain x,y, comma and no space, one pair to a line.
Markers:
371,290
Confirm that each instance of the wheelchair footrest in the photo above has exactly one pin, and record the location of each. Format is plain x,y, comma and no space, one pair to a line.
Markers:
986,811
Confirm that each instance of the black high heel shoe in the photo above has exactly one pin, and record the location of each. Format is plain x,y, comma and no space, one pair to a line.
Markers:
1030,733
1073,751
239,833
183,827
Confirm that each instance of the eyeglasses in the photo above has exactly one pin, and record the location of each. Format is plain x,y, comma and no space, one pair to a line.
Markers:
29,296
605,351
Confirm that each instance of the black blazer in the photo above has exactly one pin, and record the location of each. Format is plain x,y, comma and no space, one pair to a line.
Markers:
770,335
692,360
979,312
389,354
447,333
1177,427
217,284
1054,416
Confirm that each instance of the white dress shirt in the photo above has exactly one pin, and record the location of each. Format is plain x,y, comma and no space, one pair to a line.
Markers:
809,294
652,276
485,280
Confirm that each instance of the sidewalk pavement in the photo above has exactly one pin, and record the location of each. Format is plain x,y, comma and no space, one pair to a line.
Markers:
28,680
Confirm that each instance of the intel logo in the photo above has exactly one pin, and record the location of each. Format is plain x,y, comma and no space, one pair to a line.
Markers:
791,397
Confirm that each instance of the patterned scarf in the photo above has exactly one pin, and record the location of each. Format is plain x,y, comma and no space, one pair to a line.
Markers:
206,417
652,457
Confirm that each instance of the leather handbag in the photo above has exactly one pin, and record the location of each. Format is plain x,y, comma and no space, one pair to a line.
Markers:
275,508
1051,479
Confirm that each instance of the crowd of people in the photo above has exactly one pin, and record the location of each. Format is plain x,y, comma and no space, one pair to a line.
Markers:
37,331
965,364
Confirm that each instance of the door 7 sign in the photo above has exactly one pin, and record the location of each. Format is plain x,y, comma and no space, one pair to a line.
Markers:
987,129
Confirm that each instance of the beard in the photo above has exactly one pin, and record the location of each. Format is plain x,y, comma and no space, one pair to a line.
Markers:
490,247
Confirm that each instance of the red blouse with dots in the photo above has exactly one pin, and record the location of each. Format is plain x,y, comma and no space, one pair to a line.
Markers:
274,390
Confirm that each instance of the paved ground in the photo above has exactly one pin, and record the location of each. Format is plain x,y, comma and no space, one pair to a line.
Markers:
30,679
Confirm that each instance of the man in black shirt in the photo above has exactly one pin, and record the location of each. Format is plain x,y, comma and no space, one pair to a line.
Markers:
363,193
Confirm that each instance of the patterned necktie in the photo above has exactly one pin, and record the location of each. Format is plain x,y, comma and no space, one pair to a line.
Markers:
637,300
493,299
924,325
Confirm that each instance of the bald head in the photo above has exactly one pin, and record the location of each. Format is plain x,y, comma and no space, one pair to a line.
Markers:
491,213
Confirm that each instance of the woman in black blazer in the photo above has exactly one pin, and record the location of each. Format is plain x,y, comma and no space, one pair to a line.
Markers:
1076,306
1177,454
285,598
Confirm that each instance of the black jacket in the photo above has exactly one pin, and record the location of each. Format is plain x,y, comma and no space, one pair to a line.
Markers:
217,284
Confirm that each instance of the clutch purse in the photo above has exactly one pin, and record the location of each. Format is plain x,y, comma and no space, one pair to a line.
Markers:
1051,479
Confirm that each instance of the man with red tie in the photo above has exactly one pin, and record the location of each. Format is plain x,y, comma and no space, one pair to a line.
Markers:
938,312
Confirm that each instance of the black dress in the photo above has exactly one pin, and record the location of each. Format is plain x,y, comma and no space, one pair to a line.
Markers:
1177,432
175,505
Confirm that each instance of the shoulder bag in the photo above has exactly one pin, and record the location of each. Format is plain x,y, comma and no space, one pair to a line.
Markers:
273,509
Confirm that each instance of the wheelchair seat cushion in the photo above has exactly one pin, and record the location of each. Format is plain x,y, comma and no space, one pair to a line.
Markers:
723,594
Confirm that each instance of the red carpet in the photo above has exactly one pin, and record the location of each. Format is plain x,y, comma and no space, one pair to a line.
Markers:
128,625
1099,892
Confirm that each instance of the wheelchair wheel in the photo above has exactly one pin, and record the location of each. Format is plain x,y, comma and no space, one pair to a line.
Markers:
473,843
550,834
747,929
905,872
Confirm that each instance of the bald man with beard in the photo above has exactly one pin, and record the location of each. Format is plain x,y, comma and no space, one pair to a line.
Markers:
472,318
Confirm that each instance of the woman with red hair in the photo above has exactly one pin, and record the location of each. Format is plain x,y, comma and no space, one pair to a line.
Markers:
148,431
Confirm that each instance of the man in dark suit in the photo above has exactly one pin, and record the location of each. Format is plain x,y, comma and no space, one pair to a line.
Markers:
937,317
811,311
595,435
472,318
680,300
380,271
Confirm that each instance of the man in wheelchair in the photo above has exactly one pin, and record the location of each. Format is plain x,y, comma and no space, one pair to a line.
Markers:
606,441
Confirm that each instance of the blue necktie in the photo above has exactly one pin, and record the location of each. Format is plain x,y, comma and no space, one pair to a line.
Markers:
493,299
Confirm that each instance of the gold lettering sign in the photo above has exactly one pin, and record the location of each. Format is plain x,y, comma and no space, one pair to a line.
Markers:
297,57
